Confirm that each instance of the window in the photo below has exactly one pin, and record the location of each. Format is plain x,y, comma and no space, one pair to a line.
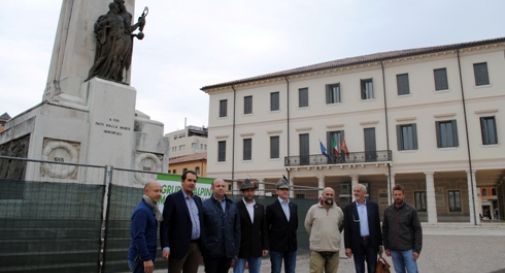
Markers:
304,149
488,130
406,135
303,97
447,134
454,201
197,170
333,140
333,93
248,105
484,192
247,149
274,147
420,200
194,146
480,73
367,89
223,108
441,79
221,150
274,101
493,191
402,82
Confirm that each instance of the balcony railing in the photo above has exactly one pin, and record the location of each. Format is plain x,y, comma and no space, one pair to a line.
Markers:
358,157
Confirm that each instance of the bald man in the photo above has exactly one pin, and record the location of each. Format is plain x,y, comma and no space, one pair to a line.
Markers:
144,227
324,222
221,236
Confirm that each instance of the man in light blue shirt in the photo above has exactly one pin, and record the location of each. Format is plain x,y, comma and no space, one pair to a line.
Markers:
362,231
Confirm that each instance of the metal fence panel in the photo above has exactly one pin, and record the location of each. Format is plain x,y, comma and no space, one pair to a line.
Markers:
48,226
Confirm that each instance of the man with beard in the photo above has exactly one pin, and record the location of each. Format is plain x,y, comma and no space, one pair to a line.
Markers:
253,230
144,227
402,233
324,222
362,231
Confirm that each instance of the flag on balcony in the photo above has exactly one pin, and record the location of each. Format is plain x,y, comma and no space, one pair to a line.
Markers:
323,149
343,147
334,146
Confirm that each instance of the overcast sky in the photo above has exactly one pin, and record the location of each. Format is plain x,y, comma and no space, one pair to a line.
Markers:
193,43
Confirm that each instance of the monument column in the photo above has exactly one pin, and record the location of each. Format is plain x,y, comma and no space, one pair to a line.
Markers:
74,51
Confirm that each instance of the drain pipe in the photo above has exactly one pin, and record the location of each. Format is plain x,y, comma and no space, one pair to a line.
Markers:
389,186
467,139
287,125
233,135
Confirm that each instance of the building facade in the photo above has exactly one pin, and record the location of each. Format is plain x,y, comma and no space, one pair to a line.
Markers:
430,119
188,150
195,162
190,140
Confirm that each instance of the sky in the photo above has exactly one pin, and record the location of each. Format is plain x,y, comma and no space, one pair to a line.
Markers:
189,44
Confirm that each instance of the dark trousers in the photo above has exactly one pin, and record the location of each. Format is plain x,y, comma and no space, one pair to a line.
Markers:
365,253
216,265
189,263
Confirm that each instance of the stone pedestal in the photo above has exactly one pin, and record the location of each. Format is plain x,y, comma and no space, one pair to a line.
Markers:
105,131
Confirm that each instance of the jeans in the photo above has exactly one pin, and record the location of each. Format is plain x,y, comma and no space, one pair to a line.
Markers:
254,265
136,266
403,261
289,261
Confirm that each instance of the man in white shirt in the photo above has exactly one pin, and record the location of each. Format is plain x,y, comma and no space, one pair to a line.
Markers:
253,242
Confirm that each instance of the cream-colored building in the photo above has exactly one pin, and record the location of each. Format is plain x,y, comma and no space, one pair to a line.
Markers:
187,141
430,119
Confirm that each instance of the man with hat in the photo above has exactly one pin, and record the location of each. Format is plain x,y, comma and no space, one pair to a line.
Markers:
253,241
282,223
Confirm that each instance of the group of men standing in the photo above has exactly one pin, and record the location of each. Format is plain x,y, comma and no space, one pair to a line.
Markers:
231,234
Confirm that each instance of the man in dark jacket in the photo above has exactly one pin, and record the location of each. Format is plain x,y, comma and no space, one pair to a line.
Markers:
221,236
282,223
362,230
253,240
144,227
180,231
402,233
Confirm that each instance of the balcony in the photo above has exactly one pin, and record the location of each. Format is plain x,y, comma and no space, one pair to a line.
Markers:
351,158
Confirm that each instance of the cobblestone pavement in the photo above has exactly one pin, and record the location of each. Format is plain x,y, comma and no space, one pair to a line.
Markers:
449,248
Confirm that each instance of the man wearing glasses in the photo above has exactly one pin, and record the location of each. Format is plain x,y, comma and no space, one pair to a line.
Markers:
282,223
181,227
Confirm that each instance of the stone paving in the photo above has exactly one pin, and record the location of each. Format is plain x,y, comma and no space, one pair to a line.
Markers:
447,248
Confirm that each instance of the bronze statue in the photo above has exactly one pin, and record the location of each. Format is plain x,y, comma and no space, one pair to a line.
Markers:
114,42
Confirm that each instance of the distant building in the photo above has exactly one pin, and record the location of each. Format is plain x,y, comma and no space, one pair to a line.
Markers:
3,119
196,162
431,119
188,150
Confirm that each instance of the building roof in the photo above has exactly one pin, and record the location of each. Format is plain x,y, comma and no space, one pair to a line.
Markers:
5,116
376,57
188,158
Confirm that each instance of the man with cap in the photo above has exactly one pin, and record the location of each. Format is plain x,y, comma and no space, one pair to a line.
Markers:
253,241
282,223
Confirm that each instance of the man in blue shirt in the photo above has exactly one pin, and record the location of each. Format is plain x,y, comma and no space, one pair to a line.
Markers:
144,227
362,231
182,226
